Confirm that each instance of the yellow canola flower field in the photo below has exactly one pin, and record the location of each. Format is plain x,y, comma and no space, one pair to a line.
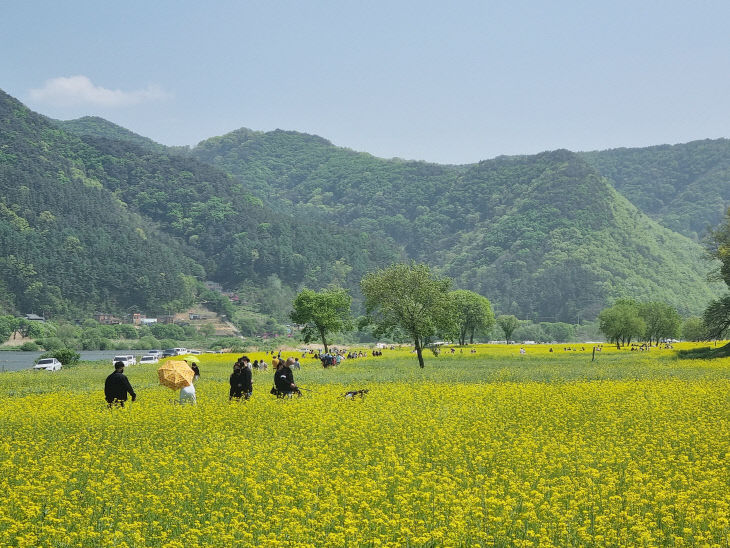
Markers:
606,462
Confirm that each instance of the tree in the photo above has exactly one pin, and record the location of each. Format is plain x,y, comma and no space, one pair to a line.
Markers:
717,318
717,315
693,329
621,322
474,312
409,297
508,324
322,313
662,321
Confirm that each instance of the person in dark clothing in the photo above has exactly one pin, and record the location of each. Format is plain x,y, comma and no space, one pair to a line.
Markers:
284,379
116,387
194,367
241,385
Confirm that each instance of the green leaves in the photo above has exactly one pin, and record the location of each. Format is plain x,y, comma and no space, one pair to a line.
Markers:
322,313
410,297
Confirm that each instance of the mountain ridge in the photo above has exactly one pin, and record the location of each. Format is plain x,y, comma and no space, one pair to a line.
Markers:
542,236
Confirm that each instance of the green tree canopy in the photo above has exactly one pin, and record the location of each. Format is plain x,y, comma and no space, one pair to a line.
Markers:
621,323
322,313
662,321
474,313
717,318
717,315
412,298
693,329
508,323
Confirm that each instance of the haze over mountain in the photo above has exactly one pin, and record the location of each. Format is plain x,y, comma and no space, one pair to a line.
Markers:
545,237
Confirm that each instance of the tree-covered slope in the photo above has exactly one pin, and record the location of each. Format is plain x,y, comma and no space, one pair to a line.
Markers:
542,236
685,187
93,126
139,213
551,239
67,244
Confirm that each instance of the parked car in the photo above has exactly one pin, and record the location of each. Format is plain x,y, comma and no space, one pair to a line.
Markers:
48,364
174,352
126,359
156,353
148,358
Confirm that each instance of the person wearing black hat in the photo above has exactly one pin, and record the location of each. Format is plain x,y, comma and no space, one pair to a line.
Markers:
117,386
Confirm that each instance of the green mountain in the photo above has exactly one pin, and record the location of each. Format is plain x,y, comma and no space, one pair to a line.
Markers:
104,223
93,216
67,244
685,187
544,237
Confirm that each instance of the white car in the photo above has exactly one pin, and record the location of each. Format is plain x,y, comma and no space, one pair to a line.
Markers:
48,364
156,353
126,359
149,358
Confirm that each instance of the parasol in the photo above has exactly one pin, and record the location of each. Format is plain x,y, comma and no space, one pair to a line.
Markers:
175,374
190,359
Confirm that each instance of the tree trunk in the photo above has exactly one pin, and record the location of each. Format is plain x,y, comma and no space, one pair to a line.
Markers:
324,340
471,337
419,353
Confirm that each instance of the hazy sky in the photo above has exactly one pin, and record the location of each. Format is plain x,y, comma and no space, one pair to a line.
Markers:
448,82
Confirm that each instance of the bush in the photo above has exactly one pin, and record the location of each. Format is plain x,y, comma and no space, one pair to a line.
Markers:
149,342
66,356
30,346
52,343
168,343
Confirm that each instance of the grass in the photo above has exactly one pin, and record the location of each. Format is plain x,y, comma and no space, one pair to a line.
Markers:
489,364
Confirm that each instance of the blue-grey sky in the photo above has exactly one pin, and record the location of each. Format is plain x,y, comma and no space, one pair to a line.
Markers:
447,82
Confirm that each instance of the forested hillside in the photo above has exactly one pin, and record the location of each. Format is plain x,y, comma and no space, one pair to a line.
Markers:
91,222
543,236
67,244
685,187
93,216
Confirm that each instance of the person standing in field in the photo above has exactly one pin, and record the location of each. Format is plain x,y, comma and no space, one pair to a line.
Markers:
240,381
284,379
187,394
117,386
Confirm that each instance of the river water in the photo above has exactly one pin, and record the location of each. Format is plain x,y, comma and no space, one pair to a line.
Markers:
18,360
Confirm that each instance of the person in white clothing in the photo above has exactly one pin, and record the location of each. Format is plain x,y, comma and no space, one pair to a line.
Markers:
187,394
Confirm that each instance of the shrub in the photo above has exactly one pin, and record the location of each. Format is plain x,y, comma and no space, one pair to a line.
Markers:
66,356
52,343
29,346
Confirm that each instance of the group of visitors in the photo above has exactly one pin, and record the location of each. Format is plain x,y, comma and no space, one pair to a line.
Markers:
117,387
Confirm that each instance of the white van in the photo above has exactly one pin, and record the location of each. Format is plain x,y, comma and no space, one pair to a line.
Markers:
127,360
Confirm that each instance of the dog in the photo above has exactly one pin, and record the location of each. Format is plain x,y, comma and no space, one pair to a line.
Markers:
353,393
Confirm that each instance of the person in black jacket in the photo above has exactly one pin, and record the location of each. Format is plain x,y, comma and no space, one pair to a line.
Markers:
241,384
117,386
284,379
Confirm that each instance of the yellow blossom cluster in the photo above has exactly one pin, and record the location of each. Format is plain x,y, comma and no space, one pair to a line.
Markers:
606,462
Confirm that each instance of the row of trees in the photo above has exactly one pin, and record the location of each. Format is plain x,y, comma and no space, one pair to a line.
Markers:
628,320
403,299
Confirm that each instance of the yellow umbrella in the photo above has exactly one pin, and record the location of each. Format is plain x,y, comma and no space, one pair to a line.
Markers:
175,374
191,359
